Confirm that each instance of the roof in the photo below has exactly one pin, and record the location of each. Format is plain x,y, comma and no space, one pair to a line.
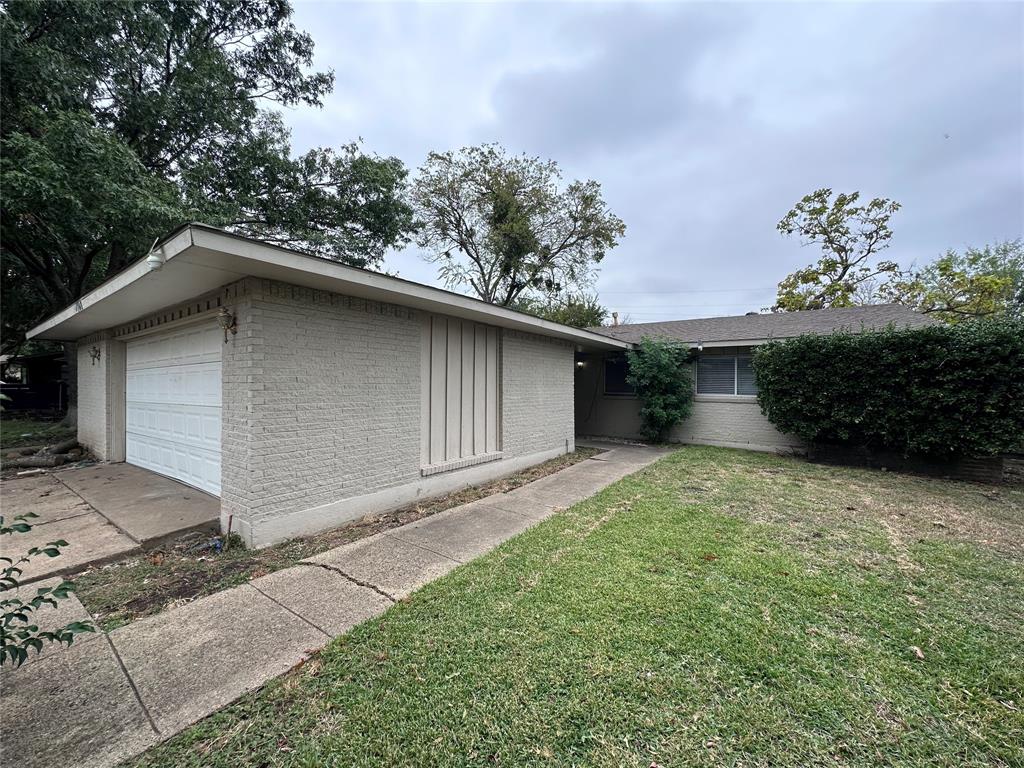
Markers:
757,328
196,258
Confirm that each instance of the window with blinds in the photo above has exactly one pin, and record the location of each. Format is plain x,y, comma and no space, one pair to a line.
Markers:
725,375
461,394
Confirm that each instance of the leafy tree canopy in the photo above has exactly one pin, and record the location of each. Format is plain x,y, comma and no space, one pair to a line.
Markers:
578,310
505,227
980,282
121,120
850,237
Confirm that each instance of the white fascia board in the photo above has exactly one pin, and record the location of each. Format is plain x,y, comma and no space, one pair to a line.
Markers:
199,259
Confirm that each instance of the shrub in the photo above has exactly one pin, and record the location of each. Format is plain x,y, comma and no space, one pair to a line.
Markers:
660,372
936,391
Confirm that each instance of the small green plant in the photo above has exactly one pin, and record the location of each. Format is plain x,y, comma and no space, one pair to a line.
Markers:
18,631
660,372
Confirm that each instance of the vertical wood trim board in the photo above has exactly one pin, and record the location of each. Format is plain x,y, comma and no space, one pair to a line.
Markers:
461,391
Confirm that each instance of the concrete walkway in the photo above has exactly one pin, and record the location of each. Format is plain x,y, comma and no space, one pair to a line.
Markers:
104,512
110,696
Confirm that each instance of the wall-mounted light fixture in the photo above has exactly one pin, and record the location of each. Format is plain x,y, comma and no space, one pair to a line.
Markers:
579,363
700,346
94,353
227,322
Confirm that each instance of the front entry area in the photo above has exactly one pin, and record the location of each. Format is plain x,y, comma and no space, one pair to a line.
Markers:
173,404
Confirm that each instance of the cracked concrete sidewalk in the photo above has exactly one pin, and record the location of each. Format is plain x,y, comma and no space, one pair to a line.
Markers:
110,696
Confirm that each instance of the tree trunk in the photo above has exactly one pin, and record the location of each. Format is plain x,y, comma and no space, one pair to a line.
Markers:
69,376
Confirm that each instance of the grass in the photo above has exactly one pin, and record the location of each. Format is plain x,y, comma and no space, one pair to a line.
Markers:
718,608
121,592
18,432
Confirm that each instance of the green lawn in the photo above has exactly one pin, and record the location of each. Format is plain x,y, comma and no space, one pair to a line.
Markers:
15,432
720,607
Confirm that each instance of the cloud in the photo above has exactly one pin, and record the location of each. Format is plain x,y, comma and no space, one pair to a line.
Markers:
703,123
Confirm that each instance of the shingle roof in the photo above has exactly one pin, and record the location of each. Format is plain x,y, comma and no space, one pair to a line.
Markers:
773,326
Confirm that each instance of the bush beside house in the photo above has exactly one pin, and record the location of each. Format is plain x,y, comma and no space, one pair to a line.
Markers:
941,392
660,372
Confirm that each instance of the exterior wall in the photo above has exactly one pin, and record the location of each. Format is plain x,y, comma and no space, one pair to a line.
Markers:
322,403
323,406
101,396
733,421
537,399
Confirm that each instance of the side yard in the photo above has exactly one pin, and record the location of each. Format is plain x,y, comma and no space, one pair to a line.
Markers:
16,432
719,607
129,589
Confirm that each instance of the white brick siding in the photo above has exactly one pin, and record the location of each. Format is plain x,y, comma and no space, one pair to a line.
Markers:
537,400
101,396
321,406
736,422
321,401
322,411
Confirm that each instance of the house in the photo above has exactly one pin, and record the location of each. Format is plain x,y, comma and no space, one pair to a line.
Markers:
34,382
725,408
303,392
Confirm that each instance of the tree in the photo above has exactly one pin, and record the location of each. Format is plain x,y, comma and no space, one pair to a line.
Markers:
577,310
660,371
504,226
850,237
18,632
961,286
122,120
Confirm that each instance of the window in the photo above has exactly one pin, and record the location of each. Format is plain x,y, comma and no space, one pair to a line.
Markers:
461,394
725,375
615,370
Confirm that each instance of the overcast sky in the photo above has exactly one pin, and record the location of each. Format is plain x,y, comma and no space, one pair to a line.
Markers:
703,123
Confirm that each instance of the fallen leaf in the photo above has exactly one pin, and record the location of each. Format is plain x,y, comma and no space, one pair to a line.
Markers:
917,651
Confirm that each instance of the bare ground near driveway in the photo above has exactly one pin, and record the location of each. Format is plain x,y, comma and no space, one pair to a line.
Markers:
147,583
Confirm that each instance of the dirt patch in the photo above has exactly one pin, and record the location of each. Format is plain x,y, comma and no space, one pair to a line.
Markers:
195,565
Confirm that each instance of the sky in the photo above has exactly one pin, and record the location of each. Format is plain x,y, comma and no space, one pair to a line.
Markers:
704,123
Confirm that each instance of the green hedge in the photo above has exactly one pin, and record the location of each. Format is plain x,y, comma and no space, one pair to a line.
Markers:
938,391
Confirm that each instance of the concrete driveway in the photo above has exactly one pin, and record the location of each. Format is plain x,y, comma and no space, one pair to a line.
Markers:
104,512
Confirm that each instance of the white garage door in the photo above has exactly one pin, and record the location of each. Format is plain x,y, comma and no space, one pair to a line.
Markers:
172,401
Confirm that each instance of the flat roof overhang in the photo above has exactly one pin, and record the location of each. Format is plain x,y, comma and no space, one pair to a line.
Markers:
197,259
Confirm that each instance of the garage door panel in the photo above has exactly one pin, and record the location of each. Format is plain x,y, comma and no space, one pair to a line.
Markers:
186,463
173,404
199,425
200,344
190,384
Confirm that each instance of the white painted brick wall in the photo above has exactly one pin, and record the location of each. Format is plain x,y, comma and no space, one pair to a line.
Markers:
736,423
321,406
101,396
321,400
92,395
537,393
322,409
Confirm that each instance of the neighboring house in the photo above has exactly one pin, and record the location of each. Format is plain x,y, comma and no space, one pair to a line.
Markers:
303,392
34,382
725,409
